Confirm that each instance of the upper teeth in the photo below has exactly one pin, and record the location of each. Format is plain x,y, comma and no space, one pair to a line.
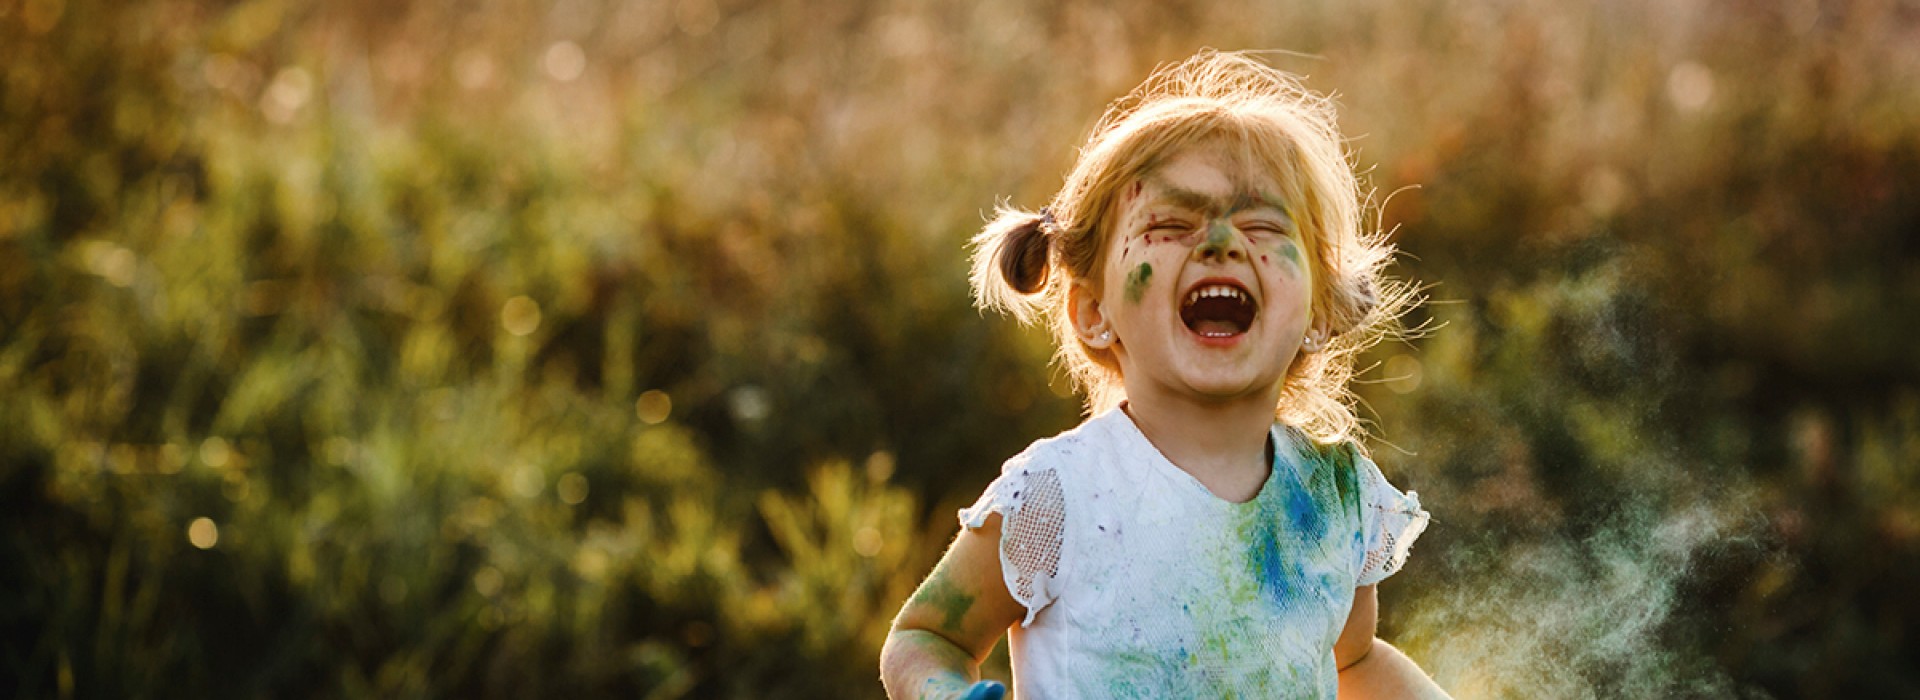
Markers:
1216,290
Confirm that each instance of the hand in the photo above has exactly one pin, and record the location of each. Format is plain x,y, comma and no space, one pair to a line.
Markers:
985,690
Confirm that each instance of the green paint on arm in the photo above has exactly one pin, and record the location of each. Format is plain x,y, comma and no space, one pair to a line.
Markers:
1137,282
940,594
943,686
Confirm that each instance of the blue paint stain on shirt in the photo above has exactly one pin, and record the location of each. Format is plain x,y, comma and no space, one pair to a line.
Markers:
1304,514
1289,526
1269,562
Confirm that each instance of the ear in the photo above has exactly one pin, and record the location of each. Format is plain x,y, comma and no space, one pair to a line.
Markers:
1083,304
1317,336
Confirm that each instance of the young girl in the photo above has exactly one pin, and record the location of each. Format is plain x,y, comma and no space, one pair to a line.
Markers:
1214,529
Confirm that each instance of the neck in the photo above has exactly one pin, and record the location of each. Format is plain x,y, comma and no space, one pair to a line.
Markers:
1222,443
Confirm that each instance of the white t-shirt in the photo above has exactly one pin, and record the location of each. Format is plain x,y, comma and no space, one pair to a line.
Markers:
1139,582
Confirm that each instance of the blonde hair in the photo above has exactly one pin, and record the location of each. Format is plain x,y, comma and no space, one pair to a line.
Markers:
1024,262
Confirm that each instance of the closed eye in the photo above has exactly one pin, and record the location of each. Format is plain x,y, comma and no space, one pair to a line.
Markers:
1265,227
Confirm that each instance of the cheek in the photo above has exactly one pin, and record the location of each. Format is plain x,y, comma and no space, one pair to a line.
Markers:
1287,276
1128,254
1138,278
1135,269
1284,255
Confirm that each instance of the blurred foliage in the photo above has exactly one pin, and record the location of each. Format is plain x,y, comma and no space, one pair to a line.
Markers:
509,349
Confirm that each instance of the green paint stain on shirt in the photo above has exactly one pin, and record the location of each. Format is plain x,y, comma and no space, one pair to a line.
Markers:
1282,557
1137,282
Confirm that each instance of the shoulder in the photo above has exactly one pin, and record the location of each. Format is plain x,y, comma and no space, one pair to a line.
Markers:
1093,449
1040,496
1343,458
1052,469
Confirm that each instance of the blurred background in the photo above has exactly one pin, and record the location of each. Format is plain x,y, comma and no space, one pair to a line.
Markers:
503,349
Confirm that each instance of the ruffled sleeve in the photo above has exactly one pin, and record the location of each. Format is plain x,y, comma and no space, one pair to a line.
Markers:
1032,510
1389,523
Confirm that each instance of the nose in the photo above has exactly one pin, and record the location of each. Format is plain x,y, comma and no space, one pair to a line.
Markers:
1221,245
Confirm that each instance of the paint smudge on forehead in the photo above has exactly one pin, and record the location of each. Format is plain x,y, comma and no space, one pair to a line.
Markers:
1245,198
1242,198
1137,282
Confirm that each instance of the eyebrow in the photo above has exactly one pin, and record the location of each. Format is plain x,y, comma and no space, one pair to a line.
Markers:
1245,199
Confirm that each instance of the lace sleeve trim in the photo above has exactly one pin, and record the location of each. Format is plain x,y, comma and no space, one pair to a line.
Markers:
1392,521
1032,508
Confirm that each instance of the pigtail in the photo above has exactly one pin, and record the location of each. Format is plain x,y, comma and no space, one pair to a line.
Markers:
1011,261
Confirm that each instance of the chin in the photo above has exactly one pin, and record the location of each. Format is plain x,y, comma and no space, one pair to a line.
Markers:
1228,388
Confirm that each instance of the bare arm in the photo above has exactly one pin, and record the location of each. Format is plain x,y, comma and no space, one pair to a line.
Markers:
1370,668
951,622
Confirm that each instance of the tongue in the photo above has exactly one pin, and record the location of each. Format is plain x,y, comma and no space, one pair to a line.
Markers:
1216,328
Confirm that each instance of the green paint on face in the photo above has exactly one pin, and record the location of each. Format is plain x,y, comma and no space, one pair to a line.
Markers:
1137,282
1291,250
1219,235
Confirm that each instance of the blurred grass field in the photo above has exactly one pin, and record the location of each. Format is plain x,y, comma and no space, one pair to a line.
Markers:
483,349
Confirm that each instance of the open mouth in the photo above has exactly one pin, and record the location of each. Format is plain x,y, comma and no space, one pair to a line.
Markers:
1217,310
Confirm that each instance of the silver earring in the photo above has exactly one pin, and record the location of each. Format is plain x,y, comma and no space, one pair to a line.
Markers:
1106,336
1311,343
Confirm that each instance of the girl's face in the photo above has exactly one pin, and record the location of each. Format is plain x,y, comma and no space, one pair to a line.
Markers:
1207,288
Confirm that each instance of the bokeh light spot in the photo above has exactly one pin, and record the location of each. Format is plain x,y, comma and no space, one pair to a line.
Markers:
565,61
172,458
202,533
749,404
868,541
572,489
528,482
653,407
880,466
215,452
1403,374
488,581
473,70
111,262
1690,86
283,98
520,316
591,563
